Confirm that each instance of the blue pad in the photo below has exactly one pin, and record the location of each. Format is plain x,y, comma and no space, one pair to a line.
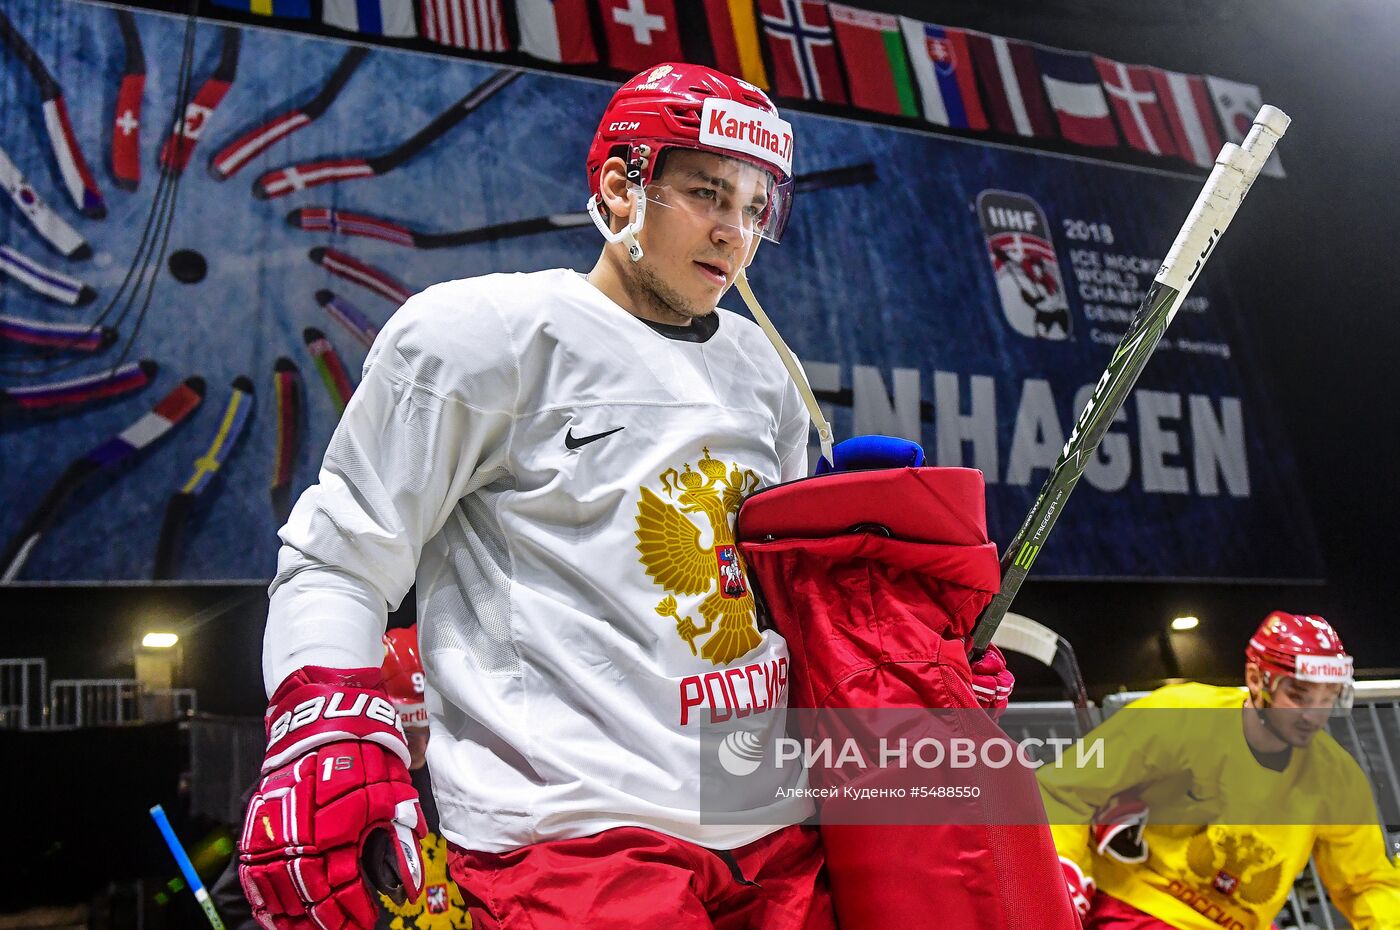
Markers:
864,452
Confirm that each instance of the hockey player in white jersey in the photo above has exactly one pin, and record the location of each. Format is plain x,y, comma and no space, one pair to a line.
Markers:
555,459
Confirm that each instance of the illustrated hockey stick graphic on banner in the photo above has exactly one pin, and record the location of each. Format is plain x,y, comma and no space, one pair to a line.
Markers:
232,425
286,385
63,238
73,393
77,176
1236,168
283,181
330,367
329,219
174,409
230,159
126,115
184,135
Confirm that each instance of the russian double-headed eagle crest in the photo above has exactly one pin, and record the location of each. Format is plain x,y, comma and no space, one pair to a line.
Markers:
687,548
1236,865
440,906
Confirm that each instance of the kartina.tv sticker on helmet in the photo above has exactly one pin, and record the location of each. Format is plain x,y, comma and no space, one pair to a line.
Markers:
1324,669
738,127
1027,271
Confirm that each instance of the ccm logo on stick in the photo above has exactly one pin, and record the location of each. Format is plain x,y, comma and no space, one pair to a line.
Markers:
375,708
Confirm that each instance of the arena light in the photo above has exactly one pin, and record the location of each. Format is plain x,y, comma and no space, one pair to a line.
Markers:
1180,624
159,640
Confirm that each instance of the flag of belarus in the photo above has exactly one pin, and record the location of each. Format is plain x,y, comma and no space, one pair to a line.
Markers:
942,66
556,30
876,66
1072,84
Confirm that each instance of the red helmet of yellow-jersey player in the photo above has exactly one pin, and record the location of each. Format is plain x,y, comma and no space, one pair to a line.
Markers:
1302,647
403,675
677,105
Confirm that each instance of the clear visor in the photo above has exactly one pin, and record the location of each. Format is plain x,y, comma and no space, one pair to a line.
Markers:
737,195
1307,695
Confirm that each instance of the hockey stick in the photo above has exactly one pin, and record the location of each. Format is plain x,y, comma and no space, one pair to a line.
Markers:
170,412
182,859
1023,635
226,162
126,117
78,391
361,273
52,284
48,224
329,219
328,363
1236,167
237,414
286,378
176,152
283,181
348,315
66,337
77,176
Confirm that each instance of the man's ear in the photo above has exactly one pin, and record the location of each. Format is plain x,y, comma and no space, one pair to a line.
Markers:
1254,681
613,190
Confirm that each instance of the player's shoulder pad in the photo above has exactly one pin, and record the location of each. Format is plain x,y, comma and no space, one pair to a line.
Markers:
1191,694
453,334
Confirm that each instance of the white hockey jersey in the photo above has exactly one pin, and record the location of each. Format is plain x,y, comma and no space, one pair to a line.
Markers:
560,478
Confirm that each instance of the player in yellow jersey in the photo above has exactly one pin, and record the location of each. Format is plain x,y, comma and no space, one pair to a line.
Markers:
1210,800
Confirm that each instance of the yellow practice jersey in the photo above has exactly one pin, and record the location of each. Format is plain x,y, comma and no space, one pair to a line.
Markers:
439,907
1226,836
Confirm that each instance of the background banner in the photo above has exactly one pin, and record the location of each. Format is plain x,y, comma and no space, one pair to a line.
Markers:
966,295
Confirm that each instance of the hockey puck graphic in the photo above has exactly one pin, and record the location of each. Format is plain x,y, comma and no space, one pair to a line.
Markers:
188,266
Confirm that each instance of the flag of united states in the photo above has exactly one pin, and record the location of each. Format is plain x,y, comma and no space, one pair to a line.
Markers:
475,24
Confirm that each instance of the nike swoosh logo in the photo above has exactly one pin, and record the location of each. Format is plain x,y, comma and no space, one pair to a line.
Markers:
577,442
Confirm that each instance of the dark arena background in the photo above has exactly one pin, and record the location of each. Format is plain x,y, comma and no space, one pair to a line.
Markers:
986,191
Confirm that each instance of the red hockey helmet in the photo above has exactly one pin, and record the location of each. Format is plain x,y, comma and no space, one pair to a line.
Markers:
403,675
1302,647
677,105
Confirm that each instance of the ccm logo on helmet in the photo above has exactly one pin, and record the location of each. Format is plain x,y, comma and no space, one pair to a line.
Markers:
375,708
1325,669
726,124
623,127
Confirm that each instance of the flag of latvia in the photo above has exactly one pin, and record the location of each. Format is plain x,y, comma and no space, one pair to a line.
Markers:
876,64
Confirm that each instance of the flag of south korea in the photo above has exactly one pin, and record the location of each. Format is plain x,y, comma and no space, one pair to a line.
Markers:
1237,105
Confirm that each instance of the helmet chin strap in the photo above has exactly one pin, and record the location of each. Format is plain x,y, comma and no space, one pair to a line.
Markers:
627,235
794,370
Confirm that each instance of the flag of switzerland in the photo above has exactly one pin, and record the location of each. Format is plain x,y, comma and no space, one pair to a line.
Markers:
640,33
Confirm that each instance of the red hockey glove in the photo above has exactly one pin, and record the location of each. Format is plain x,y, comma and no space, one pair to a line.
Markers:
335,794
992,681
1081,889
1117,829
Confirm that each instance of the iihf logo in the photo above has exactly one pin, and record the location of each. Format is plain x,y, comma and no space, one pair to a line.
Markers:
1024,264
